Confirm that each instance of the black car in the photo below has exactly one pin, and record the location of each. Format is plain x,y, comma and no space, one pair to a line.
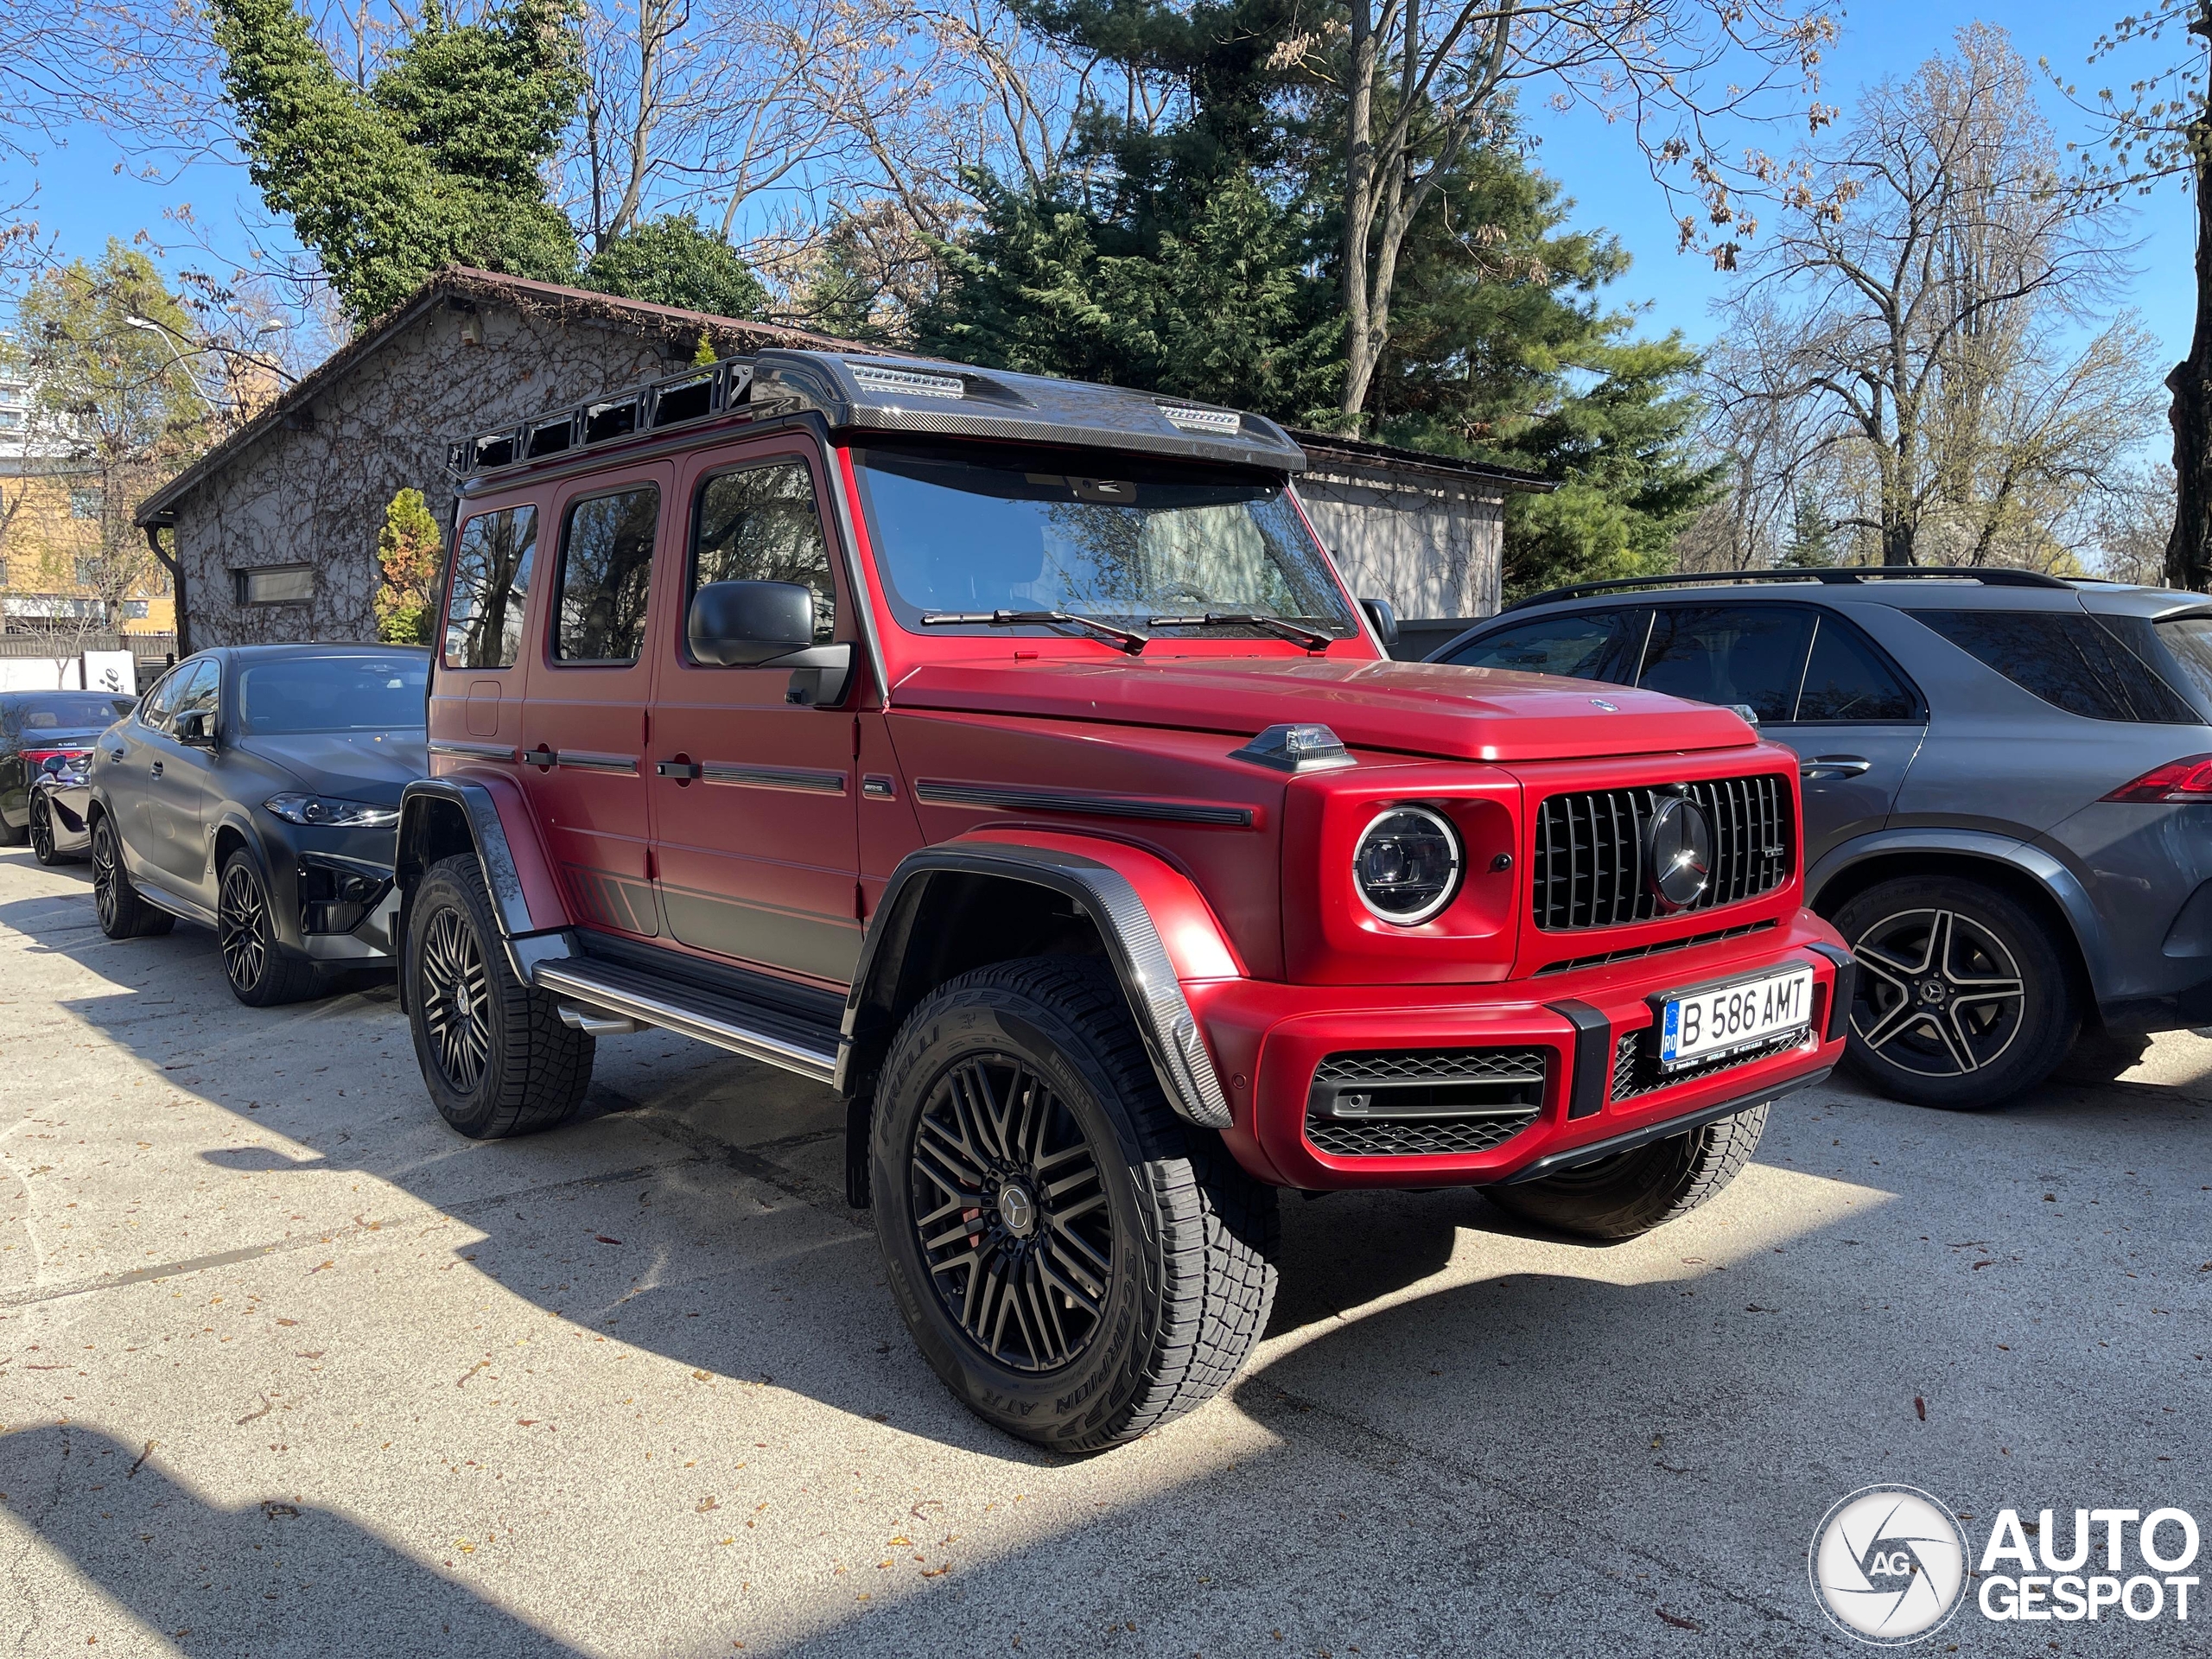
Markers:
256,792
2007,791
36,726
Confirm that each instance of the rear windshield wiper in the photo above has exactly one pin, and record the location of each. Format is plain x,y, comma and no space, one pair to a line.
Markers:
1281,626
1119,638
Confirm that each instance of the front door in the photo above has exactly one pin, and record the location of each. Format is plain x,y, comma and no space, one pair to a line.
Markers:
583,720
173,840
754,799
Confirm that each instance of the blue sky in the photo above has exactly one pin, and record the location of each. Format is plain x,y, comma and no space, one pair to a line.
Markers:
83,201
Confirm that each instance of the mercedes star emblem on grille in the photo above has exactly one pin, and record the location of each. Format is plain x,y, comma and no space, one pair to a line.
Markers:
1677,852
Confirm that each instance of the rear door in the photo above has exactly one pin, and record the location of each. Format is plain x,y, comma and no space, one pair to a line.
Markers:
755,802
1858,724
476,699
583,723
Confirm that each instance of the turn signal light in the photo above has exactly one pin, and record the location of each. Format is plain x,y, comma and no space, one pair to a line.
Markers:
2189,780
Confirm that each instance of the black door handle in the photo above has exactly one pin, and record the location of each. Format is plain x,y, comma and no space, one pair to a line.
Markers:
156,768
683,771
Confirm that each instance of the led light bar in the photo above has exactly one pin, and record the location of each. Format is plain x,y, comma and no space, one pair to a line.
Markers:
1201,420
874,377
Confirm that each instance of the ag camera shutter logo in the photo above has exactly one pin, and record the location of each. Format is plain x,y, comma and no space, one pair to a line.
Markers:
1889,1565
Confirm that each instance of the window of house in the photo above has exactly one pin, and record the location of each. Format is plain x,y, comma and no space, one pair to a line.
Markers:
491,589
135,610
274,584
88,571
607,566
760,525
85,504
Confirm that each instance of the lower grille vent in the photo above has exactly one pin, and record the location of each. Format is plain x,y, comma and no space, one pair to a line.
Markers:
1422,1101
1636,1062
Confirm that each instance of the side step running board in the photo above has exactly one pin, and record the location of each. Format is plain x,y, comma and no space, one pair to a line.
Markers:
757,1032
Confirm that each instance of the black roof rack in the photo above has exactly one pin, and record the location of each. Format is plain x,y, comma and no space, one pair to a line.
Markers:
904,395
1833,576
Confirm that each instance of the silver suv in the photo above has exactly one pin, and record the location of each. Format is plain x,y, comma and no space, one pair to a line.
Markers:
2007,791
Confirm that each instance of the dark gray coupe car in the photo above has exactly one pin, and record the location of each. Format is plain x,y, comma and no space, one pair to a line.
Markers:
255,791
2007,791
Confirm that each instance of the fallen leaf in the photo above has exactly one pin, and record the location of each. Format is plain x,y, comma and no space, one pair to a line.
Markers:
1920,1406
1679,1623
604,1239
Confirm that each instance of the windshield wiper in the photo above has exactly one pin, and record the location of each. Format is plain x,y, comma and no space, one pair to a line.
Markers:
1119,638
1281,626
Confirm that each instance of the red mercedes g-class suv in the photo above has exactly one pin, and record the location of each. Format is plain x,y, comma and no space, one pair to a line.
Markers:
1008,755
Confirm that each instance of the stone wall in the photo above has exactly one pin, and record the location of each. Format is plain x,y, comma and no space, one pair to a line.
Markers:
314,491
1431,546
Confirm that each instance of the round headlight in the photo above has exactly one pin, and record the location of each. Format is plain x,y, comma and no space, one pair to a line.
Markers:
1406,865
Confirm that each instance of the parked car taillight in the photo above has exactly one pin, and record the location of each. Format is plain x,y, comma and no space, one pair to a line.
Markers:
39,757
2188,779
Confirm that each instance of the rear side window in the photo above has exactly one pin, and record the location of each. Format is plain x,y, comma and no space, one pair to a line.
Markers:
2083,665
2188,640
1588,645
491,589
607,571
760,525
1846,680
1730,654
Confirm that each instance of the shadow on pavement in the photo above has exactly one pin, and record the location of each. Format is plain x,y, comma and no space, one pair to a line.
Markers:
278,1576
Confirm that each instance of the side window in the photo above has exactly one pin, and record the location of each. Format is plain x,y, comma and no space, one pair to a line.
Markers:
1846,680
161,702
760,525
1729,654
1588,645
607,569
491,589
2071,660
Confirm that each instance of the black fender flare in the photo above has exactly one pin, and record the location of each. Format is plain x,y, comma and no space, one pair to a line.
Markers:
1111,902
525,944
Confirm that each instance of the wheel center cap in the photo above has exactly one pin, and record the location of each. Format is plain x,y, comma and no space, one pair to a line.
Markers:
1017,1210
1931,990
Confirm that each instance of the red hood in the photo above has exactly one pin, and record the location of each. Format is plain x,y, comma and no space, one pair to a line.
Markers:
1429,708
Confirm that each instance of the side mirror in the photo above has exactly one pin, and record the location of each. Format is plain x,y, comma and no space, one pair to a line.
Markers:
749,624
1744,712
1384,616
196,730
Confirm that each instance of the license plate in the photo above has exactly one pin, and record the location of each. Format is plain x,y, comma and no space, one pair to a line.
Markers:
1717,1020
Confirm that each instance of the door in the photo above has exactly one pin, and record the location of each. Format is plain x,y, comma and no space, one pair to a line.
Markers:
755,803
476,700
173,841
583,720
1857,723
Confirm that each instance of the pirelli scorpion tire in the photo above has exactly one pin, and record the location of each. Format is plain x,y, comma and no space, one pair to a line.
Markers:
493,1049
1632,1192
1077,1264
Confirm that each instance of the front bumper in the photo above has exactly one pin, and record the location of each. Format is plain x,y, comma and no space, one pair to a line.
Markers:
1564,1076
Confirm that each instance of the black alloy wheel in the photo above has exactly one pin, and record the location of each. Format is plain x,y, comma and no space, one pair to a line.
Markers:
1963,997
1010,1214
1077,1264
123,914
42,831
495,1054
261,973
456,998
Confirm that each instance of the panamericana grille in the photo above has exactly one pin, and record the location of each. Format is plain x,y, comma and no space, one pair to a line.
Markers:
1636,1062
1417,1102
1590,861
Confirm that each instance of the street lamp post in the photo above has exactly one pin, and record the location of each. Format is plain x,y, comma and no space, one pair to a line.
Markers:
147,325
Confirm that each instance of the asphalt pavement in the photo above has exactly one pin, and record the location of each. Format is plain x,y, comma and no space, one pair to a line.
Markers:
288,1368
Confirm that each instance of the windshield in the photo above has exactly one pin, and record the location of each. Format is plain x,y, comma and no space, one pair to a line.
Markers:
985,530
332,694
67,714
